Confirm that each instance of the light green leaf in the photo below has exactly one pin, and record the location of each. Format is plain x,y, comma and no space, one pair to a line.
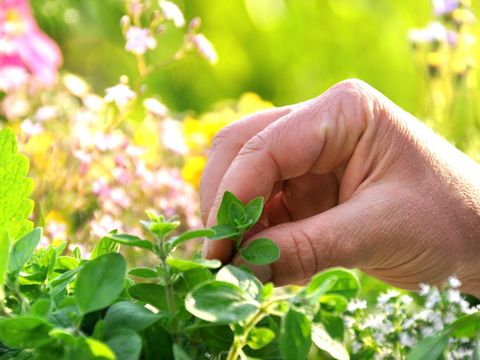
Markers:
130,240
237,214
223,210
220,302
4,254
244,280
15,188
295,335
143,272
189,235
23,250
336,281
100,282
431,347
223,231
24,332
261,252
185,265
105,246
126,344
127,315
467,326
323,340
41,307
260,337
99,350
254,209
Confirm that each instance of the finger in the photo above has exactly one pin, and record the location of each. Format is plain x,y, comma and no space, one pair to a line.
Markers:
226,145
318,137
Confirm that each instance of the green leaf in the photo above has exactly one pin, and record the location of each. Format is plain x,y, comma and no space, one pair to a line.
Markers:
152,294
126,344
100,282
220,302
185,265
105,246
337,281
254,209
127,315
244,280
157,343
99,350
189,235
466,326
41,307
4,254
431,347
130,240
143,272
223,210
237,214
295,335
323,341
261,252
179,353
223,231
24,332
23,250
260,337
15,188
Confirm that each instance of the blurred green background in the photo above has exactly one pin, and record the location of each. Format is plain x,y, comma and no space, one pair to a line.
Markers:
284,50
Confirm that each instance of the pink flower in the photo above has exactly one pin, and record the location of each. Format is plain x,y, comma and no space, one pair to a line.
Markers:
25,46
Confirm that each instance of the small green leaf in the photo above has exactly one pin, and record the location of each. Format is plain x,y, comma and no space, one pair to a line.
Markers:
152,294
105,246
143,272
99,350
4,254
431,347
179,353
295,335
23,250
185,265
261,252
127,315
223,210
100,282
189,235
220,302
254,209
323,341
126,344
41,307
24,332
260,337
223,231
345,284
244,280
130,240
237,214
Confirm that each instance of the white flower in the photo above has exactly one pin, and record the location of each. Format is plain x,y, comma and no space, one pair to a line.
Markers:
454,282
433,298
139,40
385,297
407,340
205,48
155,107
172,136
356,304
406,300
454,296
30,128
172,12
424,289
121,94
12,77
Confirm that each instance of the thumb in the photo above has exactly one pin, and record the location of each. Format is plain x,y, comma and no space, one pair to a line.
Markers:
340,236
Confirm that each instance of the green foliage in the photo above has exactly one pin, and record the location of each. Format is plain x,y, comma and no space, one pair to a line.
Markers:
15,188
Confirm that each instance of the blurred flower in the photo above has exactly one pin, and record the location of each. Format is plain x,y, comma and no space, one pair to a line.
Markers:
454,282
435,31
172,12
443,7
121,94
193,168
139,40
76,85
12,77
205,48
28,47
356,304
172,136
155,107
30,128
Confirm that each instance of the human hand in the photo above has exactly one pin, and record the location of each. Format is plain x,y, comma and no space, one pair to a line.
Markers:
350,180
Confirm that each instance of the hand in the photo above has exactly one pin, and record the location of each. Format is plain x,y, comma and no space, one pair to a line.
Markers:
350,180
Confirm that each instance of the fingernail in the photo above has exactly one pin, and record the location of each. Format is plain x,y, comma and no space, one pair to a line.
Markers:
262,272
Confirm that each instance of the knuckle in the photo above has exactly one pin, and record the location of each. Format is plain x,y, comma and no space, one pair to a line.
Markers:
256,144
303,253
225,137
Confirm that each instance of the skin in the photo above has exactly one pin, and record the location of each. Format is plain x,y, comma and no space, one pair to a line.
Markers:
350,180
